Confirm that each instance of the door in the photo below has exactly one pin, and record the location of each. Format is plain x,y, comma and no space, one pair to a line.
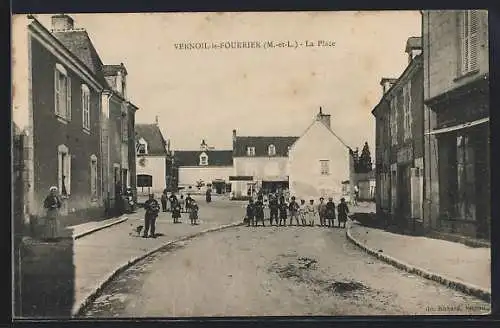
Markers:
403,190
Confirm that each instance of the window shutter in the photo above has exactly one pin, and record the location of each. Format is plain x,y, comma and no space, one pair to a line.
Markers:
68,97
463,25
59,171
473,39
56,92
68,174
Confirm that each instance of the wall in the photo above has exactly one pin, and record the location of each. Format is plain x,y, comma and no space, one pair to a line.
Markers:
49,132
444,50
318,143
261,167
155,166
131,149
190,175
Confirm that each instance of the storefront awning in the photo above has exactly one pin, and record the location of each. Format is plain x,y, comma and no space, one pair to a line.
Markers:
459,126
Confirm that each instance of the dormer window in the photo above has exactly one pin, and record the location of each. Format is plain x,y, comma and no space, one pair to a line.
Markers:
142,147
271,150
250,151
203,159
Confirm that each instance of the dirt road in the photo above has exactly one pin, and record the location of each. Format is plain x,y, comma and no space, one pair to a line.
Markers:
273,271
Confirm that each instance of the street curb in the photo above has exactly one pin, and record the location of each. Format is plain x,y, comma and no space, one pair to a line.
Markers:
88,232
463,287
78,311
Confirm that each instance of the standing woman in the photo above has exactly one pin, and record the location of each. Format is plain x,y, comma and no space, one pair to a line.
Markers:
53,204
282,209
164,201
330,212
176,210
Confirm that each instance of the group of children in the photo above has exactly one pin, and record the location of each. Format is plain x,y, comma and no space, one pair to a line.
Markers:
177,207
303,214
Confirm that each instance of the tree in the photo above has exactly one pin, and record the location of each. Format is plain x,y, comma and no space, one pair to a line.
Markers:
365,160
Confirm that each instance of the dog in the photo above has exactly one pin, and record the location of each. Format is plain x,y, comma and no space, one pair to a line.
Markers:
137,230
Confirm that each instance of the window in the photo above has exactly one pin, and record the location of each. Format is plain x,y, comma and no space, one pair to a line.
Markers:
394,121
469,39
407,111
203,159
324,167
62,96
465,177
144,180
86,107
124,122
93,177
250,151
142,147
271,150
64,170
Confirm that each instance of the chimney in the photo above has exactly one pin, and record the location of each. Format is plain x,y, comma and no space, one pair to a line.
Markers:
413,47
325,118
156,120
386,84
62,22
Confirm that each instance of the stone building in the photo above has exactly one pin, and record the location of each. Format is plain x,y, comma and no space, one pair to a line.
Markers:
57,105
399,143
457,148
204,168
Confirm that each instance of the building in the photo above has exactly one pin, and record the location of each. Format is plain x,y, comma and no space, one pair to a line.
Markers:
152,158
456,94
318,161
60,115
260,162
399,142
203,168
366,183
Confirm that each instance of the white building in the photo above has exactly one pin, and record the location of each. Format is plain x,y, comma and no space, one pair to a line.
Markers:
151,159
318,162
206,167
260,162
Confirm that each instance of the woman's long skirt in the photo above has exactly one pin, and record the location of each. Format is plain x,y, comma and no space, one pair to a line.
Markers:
52,224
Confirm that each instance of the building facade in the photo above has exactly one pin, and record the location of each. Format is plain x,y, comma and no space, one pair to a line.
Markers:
204,168
456,87
399,143
57,108
152,155
259,162
318,162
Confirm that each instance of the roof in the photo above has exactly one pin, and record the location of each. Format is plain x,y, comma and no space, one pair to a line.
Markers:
414,42
113,69
215,157
328,128
152,135
78,42
261,144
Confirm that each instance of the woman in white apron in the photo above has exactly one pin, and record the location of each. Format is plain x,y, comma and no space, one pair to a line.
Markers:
52,204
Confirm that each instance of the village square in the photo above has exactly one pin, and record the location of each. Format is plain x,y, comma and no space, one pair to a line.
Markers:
120,217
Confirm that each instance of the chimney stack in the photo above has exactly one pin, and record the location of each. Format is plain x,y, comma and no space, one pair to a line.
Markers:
156,120
413,47
324,118
62,22
386,84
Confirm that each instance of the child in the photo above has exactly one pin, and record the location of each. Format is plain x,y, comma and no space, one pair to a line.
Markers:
193,212
330,212
322,212
343,211
282,209
250,216
302,212
259,211
181,204
176,210
293,207
310,212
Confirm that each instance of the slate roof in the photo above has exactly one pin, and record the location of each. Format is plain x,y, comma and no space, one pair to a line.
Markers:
215,157
261,145
78,42
113,69
153,136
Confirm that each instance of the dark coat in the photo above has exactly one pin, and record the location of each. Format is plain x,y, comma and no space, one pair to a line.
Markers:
152,207
250,211
343,211
259,209
330,210
283,210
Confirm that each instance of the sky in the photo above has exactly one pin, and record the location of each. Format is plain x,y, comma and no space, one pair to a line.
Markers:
205,94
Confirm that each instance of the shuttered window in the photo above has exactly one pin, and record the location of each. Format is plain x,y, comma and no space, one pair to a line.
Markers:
394,121
62,93
86,107
407,111
469,40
